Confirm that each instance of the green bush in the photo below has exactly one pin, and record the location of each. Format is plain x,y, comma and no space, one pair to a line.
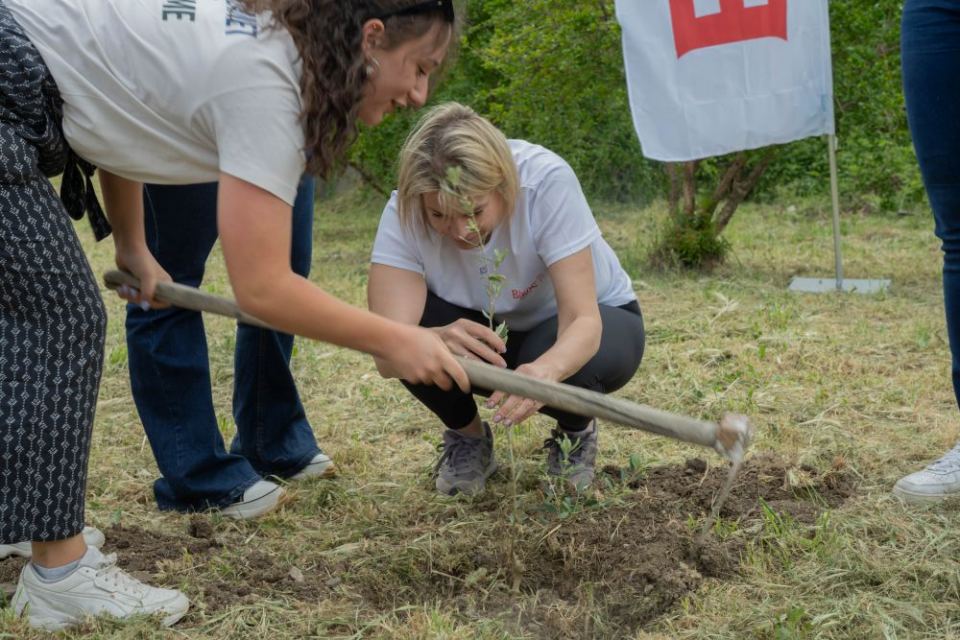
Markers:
551,71
689,246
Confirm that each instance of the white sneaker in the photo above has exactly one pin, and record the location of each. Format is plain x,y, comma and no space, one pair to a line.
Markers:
937,482
97,588
91,535
321,466
264,496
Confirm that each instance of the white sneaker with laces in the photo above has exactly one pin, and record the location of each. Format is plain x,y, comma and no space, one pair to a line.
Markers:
262,497
91,535
939,481
320,466
98,587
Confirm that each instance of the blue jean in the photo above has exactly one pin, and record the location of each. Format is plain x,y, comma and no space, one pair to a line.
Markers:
170,370
930,49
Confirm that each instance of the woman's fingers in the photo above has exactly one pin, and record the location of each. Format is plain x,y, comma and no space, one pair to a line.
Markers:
463,340
490,339
495,399
428,360
515,410
133,295
484,335
482,351
453,369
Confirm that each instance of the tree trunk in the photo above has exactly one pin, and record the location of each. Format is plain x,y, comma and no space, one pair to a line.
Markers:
730,174
690,188
742,188
673,195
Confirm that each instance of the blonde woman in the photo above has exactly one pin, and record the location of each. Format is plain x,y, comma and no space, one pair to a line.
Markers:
466,194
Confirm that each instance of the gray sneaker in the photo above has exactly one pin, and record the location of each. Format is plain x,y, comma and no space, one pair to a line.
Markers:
937,482
576,465
466,463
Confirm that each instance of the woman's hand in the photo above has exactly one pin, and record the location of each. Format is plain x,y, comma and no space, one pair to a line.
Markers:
123,201
473,340
515,409
420,357
141,263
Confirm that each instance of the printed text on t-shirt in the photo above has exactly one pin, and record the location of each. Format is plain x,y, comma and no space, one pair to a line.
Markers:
520,294
240,21
180,9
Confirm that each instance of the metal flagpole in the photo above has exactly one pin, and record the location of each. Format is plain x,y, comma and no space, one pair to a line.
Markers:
835,196
822,285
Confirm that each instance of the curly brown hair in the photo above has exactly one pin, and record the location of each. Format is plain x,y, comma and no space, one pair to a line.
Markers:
329,35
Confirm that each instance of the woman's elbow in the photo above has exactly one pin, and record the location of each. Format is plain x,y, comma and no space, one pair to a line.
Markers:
595,336
255,298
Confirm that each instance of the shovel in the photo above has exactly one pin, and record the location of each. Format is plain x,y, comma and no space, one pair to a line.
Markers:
730,437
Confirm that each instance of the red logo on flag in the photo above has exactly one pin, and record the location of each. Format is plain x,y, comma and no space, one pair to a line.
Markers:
707,23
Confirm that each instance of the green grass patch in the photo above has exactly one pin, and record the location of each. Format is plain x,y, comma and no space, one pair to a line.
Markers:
836,384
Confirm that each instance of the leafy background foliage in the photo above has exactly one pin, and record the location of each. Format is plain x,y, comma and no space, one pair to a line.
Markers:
551,71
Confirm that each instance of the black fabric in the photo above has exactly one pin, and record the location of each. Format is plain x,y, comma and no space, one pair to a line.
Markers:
617,359
52,319
79,196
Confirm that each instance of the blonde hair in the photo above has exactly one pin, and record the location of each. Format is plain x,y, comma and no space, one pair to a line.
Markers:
452,136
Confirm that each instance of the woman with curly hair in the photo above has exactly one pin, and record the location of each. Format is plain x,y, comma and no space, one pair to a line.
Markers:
250,95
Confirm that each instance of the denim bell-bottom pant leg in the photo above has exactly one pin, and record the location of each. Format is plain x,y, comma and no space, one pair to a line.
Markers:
170,369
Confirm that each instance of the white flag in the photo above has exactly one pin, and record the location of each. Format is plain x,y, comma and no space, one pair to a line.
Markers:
708,77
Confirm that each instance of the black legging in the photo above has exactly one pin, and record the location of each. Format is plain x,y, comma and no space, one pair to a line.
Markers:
617,359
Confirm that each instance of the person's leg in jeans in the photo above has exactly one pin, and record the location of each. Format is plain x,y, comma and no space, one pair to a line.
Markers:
272,428
169,366
931,82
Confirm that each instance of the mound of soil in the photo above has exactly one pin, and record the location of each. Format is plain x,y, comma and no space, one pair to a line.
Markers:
605,571
640,558
608,571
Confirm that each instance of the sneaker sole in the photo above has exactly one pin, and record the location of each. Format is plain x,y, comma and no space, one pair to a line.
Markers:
329,471
922,498
259,507
53,624
173,618
452,490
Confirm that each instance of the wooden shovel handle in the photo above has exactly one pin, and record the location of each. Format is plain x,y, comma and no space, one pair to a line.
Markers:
554,394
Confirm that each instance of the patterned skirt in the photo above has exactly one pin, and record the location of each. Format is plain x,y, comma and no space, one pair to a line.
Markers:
52,319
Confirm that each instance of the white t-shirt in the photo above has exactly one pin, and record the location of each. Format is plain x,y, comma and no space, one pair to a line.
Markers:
551,221
174,91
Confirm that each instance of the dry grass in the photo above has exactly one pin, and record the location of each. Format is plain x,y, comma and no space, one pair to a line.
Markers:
850,381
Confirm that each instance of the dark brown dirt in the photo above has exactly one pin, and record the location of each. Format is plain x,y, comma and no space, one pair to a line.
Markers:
606,570
248,574
610,570
642,557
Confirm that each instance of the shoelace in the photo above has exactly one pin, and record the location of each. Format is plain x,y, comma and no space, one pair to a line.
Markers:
459,450
114,576
949,462
553,442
